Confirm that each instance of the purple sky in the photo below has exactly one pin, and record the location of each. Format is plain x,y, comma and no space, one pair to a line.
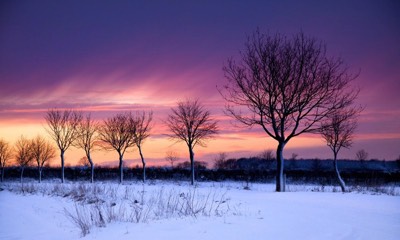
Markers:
116,55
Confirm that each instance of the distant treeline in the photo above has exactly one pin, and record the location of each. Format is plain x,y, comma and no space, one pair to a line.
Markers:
257,163
253,169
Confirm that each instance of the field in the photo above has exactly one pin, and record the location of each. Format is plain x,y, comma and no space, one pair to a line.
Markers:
208,210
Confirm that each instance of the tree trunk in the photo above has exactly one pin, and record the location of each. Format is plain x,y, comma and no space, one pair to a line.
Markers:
339,178
280,181
2,174
121,168
191,164
91,167
62,166
40,174
22,173
143,163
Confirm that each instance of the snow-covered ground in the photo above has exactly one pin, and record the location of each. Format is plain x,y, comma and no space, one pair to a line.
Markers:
40,212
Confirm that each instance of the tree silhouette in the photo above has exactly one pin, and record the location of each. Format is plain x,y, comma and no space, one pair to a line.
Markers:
338,132
42,151
6,153
287,86
171,157
191,123
23,155
220,160
361,155
87,138
141,131
63,129
116,134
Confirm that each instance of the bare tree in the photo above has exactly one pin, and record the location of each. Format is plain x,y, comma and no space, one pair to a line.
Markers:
287,86
63,129
42,151
361,155
293,161
141,123
219,161
338,132
191,123
6,153
23,155
116,134
87,138
269,157
171,157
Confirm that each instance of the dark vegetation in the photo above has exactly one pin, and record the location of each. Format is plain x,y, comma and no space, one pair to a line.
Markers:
254,169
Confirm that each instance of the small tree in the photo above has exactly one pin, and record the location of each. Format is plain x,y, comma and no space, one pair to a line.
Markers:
293,159
6,153
116,134
23,155
191,123
269,157
171,157
361,155
42,151
63,129
220,160
287,86
338,131
87,137
141,123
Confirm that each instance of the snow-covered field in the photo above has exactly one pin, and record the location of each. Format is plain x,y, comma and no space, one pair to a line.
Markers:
176,210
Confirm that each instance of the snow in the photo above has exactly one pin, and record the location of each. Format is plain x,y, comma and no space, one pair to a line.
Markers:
258,213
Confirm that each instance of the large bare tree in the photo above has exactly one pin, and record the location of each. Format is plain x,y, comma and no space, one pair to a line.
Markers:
141,131
23,154
87,139
287,86
116,134
63,129
42,151
191,123
338,132
6,154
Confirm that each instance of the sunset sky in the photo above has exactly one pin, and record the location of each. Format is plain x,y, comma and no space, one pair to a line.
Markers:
106,57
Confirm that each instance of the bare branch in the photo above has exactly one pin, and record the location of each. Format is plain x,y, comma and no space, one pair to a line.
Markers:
42,151
189,122
116,133
23,155
171,157
338,128
63,126
286,86
6,153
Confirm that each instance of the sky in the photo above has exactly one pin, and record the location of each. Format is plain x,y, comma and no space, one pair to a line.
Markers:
107,57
